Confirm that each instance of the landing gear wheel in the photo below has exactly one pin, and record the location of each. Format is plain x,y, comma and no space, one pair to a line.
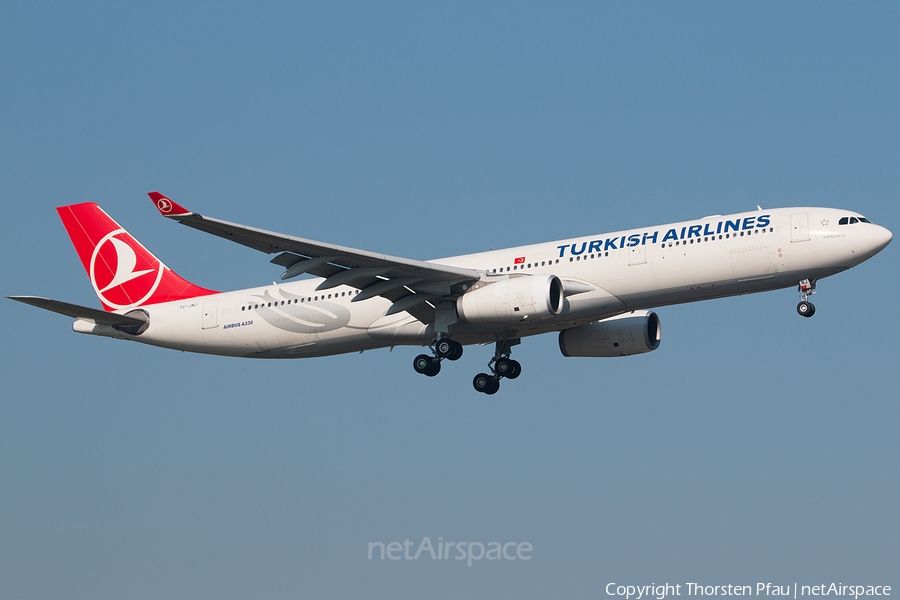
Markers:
504,367
495,387
443,348
448,349
427,365
435,368
484,382
422,363
515,371
806,309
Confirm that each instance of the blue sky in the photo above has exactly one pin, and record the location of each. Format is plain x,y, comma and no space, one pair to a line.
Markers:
753,446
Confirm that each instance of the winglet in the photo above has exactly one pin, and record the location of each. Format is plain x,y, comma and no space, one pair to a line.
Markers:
167,207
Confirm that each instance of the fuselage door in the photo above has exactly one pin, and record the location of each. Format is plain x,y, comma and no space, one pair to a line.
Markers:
800,227
210,307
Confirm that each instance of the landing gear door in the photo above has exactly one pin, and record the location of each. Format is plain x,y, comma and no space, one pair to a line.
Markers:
210,308
800,227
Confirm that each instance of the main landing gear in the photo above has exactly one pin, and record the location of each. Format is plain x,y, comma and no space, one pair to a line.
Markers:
807,288
442,348
501,365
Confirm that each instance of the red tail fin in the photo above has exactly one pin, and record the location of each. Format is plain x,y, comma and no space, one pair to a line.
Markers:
124,273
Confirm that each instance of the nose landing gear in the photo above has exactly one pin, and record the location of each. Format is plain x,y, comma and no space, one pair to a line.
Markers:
807,288
501,365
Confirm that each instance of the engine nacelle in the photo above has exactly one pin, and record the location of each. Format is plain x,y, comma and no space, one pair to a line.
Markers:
631,333
512,300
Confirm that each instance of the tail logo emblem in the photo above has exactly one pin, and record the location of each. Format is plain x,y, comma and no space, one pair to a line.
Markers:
130,285
165,205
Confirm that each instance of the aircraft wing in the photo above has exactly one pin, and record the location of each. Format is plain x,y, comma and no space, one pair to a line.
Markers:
93,315
406,282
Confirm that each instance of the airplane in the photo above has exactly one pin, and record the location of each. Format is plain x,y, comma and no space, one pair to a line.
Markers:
596,291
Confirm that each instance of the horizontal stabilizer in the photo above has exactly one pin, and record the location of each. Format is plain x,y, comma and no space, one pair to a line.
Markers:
93,315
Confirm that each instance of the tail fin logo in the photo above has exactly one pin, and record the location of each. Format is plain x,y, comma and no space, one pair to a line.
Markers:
164,205
122,277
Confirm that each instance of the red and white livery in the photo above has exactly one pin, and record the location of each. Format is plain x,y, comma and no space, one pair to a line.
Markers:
595,291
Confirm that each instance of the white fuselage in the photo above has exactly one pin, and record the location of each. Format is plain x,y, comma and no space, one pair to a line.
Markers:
607,274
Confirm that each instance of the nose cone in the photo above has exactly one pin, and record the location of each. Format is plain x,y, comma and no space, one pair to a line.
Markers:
881,237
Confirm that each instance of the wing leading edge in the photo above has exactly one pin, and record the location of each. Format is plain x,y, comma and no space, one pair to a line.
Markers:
406,282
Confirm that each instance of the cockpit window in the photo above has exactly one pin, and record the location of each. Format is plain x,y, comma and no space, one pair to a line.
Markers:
853,220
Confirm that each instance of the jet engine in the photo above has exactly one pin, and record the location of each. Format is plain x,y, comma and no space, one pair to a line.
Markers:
632,333
512,300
